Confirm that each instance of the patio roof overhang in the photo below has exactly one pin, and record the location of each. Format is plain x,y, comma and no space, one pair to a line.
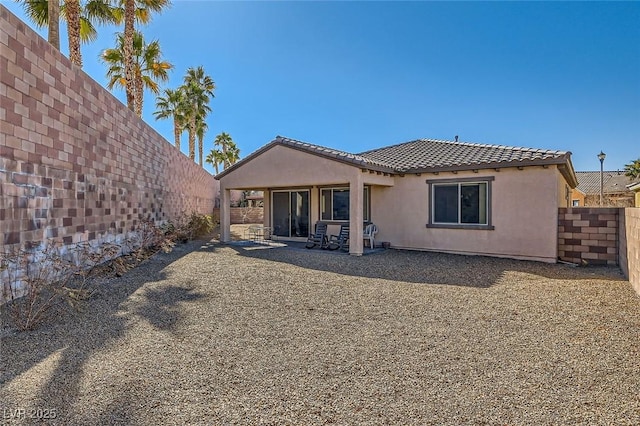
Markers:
282,165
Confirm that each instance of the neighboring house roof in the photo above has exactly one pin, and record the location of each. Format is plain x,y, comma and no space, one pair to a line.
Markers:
634,186
429,155
612,182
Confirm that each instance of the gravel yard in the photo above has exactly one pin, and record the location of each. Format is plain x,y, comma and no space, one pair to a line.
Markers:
226,334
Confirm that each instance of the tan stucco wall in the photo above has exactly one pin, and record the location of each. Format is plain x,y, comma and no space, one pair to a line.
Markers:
564,191
524,213
577,195
524,203
284,167
281,167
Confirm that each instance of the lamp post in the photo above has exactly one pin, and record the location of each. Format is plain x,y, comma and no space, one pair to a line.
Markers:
601,157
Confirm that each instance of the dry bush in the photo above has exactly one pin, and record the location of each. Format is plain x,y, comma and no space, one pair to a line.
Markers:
36,283
189,226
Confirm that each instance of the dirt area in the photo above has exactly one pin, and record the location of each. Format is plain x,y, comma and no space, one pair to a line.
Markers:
243,334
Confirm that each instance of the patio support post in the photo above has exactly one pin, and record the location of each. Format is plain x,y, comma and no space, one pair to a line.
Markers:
225,214
266,209
356,201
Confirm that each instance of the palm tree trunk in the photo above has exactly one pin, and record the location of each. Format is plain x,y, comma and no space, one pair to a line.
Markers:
192,138
200,143
176,133
129,16
226,157
54,23
138,96
73,24
215,165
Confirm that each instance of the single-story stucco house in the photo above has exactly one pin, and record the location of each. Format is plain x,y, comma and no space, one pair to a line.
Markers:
425,194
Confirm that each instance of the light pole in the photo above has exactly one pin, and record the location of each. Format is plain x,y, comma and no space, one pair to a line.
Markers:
601,157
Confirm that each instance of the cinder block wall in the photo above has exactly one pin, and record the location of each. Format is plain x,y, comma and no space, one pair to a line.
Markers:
75,163
588,235
244,215
630,245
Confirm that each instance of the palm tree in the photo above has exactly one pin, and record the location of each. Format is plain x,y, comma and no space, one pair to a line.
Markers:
53,19
229,149
215,157
127,51
233,154
172,105
129,11
80,18
73,28
222,141
201,129
148,67
198,89
632,169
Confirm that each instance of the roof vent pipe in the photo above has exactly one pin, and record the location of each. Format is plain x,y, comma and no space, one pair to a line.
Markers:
456,137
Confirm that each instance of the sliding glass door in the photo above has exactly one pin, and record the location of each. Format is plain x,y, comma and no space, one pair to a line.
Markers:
290,213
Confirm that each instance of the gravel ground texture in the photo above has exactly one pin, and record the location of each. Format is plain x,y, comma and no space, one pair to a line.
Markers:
215,334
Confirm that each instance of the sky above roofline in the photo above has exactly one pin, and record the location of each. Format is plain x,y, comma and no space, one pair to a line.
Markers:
357,76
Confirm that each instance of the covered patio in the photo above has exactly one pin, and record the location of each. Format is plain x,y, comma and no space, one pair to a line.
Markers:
304,184
243,239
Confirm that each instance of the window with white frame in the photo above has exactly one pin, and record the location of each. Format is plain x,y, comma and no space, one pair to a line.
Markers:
334,204
460,203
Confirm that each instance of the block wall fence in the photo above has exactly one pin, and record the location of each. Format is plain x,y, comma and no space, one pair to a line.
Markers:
588,235
241,215
630,245
75,163
601,236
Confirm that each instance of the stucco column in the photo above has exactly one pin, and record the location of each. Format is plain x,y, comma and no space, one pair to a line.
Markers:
314,208
356,200
266,209
225,214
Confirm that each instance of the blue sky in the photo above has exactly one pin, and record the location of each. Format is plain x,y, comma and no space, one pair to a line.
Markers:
361,75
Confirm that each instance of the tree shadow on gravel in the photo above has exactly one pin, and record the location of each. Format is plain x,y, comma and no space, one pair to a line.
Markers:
161,309
76,336
420,266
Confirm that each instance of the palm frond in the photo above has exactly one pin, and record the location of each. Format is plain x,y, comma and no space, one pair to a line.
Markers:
87,31
37,11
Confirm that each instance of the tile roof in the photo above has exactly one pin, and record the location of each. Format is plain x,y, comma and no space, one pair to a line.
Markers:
429,154
336,154
612,182
333,154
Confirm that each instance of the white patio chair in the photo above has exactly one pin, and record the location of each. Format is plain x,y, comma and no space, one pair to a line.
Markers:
370,233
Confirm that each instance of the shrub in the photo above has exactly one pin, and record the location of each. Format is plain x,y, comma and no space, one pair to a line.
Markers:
200,225
37,282
189,226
